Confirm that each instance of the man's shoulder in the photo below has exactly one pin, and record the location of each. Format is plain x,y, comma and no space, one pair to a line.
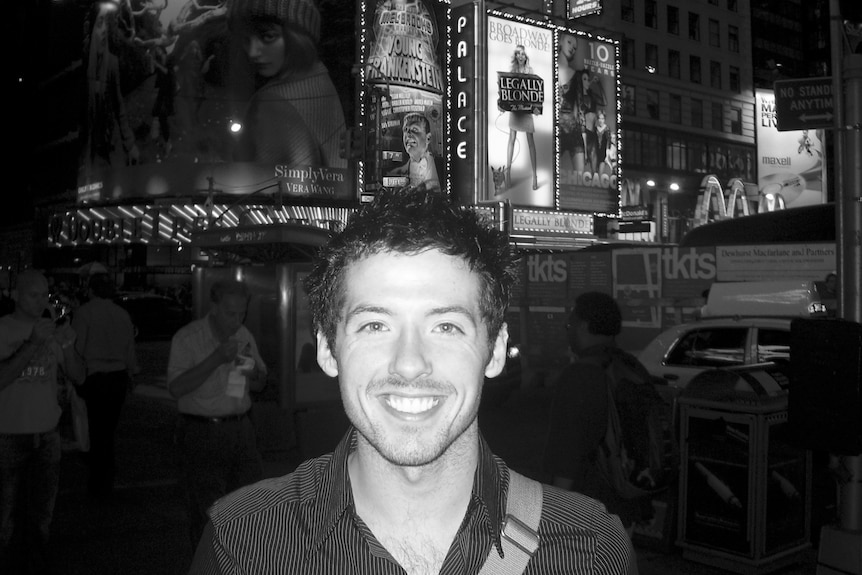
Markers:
564,509
194,329
292,499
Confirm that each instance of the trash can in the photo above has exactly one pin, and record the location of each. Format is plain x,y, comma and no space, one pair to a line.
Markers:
744,498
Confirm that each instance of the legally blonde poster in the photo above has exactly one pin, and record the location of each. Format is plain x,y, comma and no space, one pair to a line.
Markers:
520,113
586,84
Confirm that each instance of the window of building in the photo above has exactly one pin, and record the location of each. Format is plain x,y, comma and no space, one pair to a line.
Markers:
632,138
696,113
714,33
652,104
675,108
734,79
628,100
628,52
652,150
717,117
673,20
715,75
694,69
731,5
652,57
676,155
694,26
627,10
650,14
673,63
733,38
713,2
736,121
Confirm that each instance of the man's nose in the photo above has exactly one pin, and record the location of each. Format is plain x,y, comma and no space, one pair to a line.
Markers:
410,356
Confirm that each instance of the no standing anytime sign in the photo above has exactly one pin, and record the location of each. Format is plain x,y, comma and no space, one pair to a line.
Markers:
804,104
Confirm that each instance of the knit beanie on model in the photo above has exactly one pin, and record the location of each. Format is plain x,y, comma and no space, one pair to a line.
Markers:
302,14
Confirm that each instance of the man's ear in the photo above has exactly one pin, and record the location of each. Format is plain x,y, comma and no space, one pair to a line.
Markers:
498,353
325,357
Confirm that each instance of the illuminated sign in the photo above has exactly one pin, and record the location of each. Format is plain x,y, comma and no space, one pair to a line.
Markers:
175,223
164,84
463,104
405,73
790,164
551,222
578,8
588,125
520,72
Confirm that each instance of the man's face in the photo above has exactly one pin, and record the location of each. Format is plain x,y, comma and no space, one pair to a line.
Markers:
229,313
32,296
411,353
416,140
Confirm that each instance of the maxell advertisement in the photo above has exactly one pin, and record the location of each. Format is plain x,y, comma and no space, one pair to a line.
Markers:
791,164
193,96
588,130
520,112
405,73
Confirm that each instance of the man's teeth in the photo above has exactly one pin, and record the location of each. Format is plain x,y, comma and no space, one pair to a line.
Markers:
411,404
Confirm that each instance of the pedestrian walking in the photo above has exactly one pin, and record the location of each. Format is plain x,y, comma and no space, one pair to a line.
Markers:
106,342
214,363
580,409
408,303
33,353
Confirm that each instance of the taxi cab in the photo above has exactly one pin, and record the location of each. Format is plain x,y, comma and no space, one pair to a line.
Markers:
742,323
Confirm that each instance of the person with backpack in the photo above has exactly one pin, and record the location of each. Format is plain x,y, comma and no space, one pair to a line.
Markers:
602,428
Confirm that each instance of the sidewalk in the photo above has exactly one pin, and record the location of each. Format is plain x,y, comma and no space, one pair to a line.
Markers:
143,529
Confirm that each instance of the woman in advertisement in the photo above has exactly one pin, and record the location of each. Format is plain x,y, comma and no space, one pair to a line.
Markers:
590,99
294,116
521,121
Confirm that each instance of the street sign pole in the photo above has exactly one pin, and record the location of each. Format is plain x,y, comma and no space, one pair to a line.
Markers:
838,541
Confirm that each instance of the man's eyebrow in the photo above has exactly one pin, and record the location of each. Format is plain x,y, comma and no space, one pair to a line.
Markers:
366,308
457,309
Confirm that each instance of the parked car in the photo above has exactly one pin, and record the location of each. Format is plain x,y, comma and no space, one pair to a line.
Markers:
154,316
743,323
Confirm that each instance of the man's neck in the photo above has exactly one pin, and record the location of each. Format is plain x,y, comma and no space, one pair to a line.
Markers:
415,512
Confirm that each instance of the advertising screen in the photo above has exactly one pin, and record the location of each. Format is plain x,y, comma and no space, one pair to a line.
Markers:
520,112
790,163
588,130
405,75
166,81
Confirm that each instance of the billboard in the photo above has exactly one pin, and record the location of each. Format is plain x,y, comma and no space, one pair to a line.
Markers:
520,105
588,127
406,82
789,163
177,101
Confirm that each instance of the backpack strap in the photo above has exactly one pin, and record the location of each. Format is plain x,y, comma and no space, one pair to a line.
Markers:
520,537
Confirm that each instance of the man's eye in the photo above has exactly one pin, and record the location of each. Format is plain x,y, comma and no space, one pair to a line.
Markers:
449,328
373,327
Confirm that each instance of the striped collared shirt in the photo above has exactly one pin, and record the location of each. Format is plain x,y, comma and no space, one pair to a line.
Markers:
306,522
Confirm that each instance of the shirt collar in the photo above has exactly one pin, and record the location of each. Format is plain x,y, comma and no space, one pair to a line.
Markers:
490,485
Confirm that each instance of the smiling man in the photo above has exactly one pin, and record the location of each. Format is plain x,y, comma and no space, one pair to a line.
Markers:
408,304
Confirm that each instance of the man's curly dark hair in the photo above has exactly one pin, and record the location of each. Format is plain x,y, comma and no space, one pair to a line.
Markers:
411,221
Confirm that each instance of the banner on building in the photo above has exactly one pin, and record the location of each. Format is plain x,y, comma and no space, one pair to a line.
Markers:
406,79
588,129
791,164
520,129
171,92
